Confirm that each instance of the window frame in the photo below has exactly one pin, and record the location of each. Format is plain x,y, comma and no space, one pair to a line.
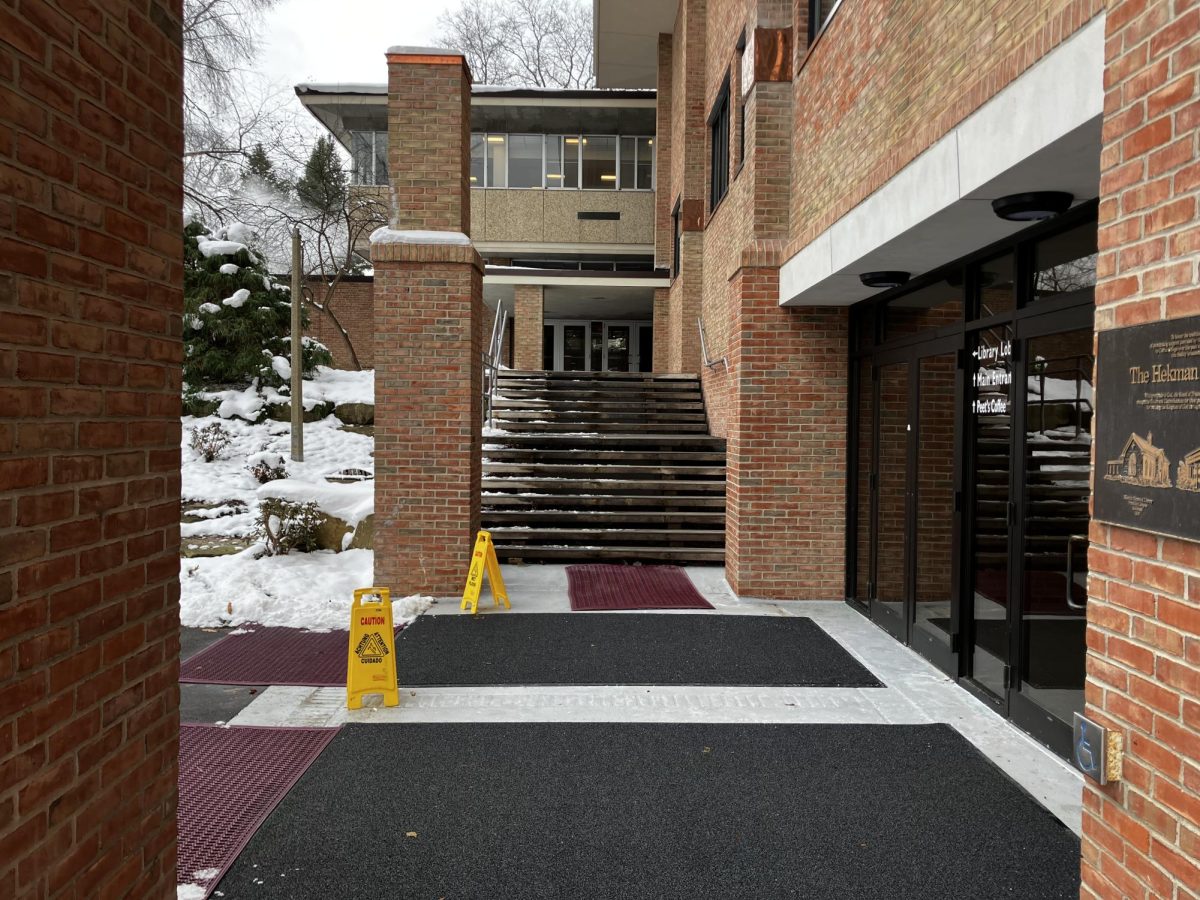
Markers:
548,154
814,28
718,136
356,174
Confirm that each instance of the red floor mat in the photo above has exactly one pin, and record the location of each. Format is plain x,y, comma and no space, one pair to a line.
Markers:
596,587
229,781
271,656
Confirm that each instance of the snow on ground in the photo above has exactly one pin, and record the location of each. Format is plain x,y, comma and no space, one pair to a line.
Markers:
327,449
300,590
326,386
190,892
303,590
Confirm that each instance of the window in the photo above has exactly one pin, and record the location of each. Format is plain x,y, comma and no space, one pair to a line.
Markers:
497,160
478,142
368,151
599,162
566,161
819,13
637,163
676,232
562,161
718,132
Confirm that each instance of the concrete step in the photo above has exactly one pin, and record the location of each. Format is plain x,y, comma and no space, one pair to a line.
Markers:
651,405
658,503
627,428
599,536
600,518
599,485
607,470
611,441
582,553
603,457
634,417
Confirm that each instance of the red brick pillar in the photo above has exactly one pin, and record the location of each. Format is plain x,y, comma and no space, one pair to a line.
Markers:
1141,837
662,322
786,452
91,275
527,326
428,333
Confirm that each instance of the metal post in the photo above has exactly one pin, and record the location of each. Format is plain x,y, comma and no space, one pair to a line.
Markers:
297,354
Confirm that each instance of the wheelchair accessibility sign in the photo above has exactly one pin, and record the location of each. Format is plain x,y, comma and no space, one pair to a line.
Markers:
371,661
1097,750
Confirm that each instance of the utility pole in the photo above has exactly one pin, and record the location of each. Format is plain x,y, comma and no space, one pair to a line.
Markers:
297,354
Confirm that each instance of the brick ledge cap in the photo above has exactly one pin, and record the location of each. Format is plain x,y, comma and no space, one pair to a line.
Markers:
387,235
403,50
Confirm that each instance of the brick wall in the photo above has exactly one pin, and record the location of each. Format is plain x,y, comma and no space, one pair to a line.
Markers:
351,303
527,326
1142,836
786,483
846,129
428,161
90,352
429,336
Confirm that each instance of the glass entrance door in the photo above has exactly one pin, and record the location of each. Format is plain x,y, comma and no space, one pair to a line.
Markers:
990,417
915,524
617,343
1051,533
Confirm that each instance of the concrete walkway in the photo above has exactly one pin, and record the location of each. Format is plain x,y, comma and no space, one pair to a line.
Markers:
915,692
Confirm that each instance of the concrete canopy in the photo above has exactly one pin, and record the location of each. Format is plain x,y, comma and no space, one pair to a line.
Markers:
626,40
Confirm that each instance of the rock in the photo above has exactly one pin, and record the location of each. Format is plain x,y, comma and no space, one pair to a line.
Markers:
367,430
355,413
192,508
282,412
349,476
364,535
212,545
331,532
194,406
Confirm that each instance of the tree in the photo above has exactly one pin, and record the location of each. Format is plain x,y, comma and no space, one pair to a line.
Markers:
322,187
237,320
260,172
543,43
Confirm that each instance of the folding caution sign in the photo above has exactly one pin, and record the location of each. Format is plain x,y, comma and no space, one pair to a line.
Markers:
483,560
371,660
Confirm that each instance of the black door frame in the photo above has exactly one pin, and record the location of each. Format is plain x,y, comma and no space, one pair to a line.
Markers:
1028,318
900,625
1026,714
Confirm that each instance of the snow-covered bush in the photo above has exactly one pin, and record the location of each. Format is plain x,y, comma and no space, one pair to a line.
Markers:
284,525
210,441
267,466
237,320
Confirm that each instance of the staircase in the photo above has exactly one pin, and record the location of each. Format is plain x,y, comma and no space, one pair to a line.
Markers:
603,466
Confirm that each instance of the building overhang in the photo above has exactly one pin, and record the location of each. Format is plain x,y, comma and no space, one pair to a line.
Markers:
626,40
497,275
1042,132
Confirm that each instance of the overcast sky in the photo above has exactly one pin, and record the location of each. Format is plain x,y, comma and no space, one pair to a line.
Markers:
343,40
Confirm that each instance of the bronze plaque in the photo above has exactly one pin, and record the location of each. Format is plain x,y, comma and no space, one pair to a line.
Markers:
1148,428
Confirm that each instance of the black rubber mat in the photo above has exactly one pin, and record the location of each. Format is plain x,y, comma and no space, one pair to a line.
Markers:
481,812
610,648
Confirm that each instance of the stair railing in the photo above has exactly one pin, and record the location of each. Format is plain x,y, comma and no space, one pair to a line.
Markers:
710,364
491,362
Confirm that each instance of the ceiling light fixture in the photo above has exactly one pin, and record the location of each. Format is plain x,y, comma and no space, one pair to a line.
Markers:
495,139
1032,207
888,279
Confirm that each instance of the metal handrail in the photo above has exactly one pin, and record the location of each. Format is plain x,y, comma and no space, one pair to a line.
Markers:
491,362
710,364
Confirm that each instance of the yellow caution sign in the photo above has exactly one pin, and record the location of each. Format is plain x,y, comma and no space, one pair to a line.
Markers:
371,662
483,559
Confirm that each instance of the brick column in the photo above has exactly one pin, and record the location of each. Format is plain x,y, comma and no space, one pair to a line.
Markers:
91,275
1141,837
662,323
786,452
527,326
428,333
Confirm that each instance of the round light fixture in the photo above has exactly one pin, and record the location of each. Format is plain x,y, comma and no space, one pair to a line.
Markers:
883,279
1033,207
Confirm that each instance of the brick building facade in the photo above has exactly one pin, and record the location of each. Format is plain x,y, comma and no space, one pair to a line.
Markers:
91,274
